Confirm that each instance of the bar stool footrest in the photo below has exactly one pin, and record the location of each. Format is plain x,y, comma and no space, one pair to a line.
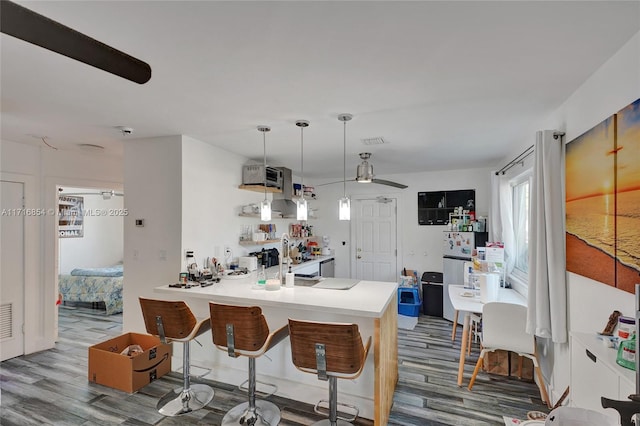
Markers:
321,408
192,374
245,388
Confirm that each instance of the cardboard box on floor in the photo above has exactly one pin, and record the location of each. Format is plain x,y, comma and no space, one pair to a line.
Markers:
505,363
129,373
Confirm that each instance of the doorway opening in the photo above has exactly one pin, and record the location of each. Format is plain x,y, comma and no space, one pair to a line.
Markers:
90,251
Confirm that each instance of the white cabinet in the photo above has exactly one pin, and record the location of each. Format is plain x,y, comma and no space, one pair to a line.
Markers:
594,374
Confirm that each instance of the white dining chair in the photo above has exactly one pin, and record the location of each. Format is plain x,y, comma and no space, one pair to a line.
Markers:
504,327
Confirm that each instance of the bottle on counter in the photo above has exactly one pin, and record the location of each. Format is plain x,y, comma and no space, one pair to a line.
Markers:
290,277
262,278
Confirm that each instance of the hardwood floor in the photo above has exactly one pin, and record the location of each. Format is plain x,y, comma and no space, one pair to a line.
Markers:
51,387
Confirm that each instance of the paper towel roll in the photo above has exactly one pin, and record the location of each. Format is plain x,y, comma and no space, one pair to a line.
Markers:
489,286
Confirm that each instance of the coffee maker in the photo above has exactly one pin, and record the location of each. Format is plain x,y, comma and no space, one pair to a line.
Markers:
267,257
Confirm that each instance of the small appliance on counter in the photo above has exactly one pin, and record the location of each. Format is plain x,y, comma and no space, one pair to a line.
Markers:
266,258
250,263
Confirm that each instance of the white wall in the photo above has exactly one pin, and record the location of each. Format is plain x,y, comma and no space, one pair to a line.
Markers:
43,170
615,85
187,193
212,201
152,176
102,240
419,246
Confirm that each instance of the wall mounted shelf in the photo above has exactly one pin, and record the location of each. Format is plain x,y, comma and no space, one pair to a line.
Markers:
257,243
434,207
260,188
274,215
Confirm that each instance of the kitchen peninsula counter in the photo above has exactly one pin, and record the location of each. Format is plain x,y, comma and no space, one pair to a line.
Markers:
370,304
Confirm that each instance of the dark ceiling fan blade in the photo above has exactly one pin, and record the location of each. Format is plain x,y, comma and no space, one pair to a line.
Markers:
27,25
389,183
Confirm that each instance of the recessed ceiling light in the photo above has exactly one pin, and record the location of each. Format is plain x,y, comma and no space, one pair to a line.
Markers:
373,141
91,147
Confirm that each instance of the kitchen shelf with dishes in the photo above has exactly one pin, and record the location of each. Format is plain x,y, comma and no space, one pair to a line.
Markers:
257,243
265,233
274,215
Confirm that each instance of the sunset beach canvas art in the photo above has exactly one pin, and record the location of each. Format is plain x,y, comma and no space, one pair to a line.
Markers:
590,203
628,197
603,201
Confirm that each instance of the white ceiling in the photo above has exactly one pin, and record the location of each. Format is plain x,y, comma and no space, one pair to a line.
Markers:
448,85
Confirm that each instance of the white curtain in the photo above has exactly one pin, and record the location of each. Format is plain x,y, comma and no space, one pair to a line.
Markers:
501,220
547,313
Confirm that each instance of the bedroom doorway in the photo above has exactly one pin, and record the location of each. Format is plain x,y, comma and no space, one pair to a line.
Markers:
90,227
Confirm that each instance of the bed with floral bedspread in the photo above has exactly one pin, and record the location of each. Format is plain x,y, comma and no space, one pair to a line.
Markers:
94,285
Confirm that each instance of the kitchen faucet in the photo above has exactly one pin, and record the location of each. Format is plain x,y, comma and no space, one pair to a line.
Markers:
284,255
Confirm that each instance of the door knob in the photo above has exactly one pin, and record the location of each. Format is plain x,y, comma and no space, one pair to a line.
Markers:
359,257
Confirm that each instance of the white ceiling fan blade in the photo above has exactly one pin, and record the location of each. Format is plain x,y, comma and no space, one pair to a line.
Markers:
338,181
389,183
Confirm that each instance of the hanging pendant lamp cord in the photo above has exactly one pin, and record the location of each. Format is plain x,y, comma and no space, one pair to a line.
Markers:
302,160
344,161
264,150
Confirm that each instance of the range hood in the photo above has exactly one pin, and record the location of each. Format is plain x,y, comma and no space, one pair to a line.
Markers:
283,202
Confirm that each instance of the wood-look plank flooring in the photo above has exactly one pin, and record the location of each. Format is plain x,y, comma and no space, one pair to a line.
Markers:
51,387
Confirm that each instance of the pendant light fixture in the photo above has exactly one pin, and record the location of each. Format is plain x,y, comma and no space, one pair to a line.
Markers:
265,205
301,203
344,205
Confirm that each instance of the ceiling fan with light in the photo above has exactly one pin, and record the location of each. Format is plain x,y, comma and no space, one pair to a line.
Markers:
364,174
25,24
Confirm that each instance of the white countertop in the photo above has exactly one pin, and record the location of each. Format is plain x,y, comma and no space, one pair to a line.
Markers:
365,299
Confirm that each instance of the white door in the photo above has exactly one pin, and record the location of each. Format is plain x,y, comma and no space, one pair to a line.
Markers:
376,245
11,270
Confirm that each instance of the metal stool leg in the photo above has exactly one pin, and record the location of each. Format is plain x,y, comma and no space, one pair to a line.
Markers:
253,413
187,399
333,419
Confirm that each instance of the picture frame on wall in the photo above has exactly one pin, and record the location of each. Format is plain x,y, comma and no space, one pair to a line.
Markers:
70,216
603,200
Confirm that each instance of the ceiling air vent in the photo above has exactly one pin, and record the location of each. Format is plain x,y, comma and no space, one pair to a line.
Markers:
6,321
373,141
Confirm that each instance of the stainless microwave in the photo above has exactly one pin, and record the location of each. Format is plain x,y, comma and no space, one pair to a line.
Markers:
256,174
